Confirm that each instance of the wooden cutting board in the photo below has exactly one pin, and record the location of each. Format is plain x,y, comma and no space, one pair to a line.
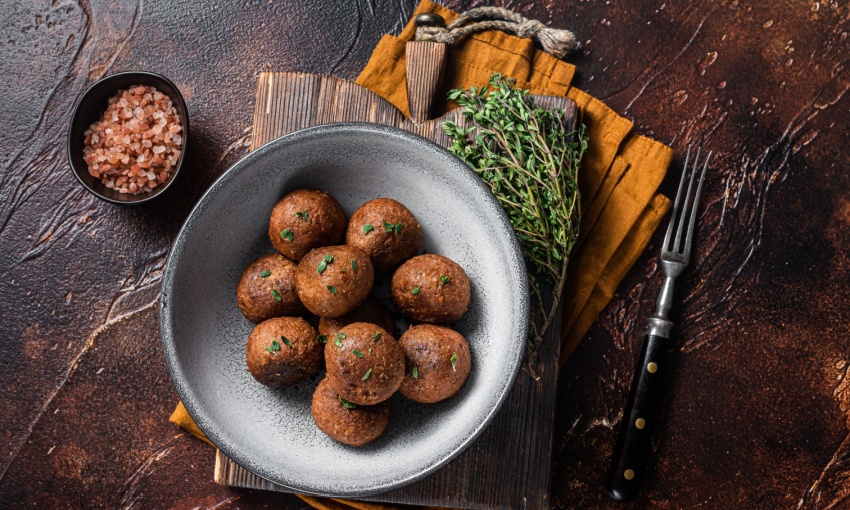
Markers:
509,465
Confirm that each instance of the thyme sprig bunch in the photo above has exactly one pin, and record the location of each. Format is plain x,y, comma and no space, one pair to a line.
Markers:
530,159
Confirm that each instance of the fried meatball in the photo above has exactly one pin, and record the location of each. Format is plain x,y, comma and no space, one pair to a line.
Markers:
267,289
365,364
387,231
306,219
335,280
345,422
371,311
283,351
431,289
438,362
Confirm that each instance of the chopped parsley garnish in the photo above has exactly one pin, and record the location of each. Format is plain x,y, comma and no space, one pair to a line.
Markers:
273,347
302,215
366,375
346,403
286,341
322,339
367,228
415,291
443,280
376,337
287,235
357,353
276,295
332,289
265,274
337,338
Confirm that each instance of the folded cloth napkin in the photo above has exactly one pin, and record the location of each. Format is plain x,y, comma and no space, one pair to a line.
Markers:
619,177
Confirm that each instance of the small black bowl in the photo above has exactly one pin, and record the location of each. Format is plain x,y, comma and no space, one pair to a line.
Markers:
88,110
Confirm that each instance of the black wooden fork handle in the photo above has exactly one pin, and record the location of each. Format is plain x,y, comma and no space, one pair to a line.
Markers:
632,448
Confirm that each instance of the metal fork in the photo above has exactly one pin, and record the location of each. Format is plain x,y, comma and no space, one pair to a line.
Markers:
632,448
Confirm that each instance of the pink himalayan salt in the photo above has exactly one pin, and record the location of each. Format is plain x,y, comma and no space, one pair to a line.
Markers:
135,145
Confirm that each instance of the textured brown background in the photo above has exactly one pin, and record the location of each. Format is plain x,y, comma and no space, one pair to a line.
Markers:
758,411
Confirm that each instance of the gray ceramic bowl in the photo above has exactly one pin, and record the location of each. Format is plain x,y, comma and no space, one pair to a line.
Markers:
271,432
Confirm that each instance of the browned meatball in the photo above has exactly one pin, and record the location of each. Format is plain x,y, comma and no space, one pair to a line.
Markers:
387,231
306,219
371,311
267,289
335,280
283,351
438,362
365,363
431,289
345,422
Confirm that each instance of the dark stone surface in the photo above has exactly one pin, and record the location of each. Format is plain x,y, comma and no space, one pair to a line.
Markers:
758,411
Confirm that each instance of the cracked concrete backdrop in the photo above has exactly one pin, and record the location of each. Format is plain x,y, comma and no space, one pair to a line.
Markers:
758,410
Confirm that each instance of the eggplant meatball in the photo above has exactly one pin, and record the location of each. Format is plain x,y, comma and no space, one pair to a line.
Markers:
365,364
335,280
438,362
283,351
306,219
371,311
345,422
431,289
267,289
387,231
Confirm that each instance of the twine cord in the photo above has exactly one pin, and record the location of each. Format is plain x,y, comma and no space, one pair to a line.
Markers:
555,41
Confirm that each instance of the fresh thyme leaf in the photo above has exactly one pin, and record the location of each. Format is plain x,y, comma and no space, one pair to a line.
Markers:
367,228
370,350
415,291
329,258
415,372
366,375
337,339
265,274
530,159
389,227
453,359
341,335
346,403
286,341
353,265
332,289
398,228
376,337
302,215
276,295
287,235
322,266
323,339
357,353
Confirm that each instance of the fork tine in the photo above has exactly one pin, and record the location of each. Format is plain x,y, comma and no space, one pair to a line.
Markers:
684,214
687,247
666,245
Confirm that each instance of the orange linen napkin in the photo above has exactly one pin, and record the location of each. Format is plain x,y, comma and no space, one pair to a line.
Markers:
619,177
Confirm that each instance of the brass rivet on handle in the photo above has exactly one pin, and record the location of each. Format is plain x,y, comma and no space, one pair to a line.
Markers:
651,367
640,423
629,474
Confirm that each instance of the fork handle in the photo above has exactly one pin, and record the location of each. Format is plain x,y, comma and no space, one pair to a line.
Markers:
632,447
